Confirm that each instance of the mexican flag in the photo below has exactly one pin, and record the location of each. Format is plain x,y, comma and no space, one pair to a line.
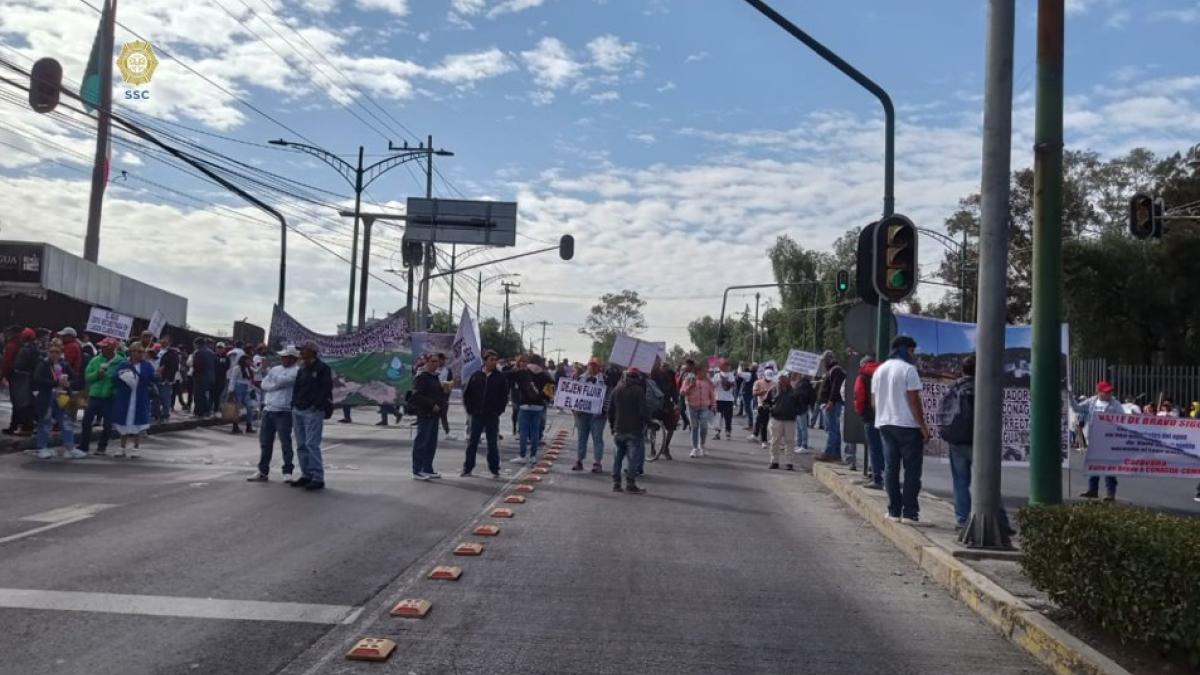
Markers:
91,88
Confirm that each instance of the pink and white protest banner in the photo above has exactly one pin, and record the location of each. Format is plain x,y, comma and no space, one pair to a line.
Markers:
1141,445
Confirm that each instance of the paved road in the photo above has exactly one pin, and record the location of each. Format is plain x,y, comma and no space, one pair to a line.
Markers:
174,564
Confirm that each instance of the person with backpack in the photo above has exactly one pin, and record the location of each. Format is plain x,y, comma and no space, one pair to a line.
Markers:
832,404
900,416
629,413
956,426
866,410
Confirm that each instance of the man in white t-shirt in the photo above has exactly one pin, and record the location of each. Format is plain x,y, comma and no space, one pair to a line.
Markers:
725,383
900,418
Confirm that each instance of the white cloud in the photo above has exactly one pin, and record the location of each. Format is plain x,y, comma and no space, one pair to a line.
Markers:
397,7
610,54
473,67
666,86
492,8
695,58
605,97
552,64
1184,15
647,138
555,66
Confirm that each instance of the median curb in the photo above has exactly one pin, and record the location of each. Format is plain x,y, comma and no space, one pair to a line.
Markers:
9,446
1024,626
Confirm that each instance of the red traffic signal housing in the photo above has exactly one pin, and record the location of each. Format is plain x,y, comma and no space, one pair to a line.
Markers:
895,258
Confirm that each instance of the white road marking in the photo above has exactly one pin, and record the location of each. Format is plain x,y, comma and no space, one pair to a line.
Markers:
72,512
188,608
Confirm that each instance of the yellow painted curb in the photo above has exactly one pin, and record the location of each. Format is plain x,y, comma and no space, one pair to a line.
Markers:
1024,626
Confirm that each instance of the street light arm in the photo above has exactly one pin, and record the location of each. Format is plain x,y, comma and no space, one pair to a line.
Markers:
725,297
381,167
943,239
457,270
340,165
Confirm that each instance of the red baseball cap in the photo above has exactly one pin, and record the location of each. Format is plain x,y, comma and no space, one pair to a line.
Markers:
1104,387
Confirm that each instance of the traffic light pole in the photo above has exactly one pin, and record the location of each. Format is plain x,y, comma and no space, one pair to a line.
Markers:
882,336
725,301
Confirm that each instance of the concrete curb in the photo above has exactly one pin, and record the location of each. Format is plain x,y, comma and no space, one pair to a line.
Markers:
1024,626
13,445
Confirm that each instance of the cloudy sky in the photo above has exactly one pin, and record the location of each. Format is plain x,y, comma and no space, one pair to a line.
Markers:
675,139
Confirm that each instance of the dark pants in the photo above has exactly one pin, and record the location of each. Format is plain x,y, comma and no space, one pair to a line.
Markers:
902,447
683,416
425,445
275,424
761,422
389,409
961,459
201,403
217,395
633,447
346,413
1110,485
874,452
748,406
725,410
446,419
481,425
96,407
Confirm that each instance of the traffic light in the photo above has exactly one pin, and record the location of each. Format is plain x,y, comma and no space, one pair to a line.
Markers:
45,82
1145,217
895,264
864,265
566,247
843,282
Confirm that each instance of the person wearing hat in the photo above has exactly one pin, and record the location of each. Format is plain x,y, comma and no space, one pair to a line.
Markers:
312,404
100,393
52,386
900,418
629,414
591,426
1102,402
72,351
277,388
20,379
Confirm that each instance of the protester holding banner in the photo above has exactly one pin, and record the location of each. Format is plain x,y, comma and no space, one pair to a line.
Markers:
701,398
591,426
1102,402
485,397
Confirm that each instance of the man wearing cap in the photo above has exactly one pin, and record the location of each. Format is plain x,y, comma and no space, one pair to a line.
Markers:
72,352
1102,402
100,392
591,426
312,404
629,415
900,418
277,388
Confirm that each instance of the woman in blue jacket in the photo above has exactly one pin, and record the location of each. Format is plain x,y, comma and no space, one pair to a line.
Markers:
132,387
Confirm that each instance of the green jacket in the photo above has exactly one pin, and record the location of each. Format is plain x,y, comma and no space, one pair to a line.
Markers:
101,386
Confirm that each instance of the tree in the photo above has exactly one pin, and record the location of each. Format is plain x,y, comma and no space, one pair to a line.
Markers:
492,336
616,314
440,322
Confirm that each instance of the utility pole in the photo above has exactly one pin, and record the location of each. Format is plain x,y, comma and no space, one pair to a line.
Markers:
544,324
430,250
754,338
1045,435
509,288
479,296
984,529
91,240
453,262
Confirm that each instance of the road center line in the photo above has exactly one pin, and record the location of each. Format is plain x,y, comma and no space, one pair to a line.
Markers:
188,608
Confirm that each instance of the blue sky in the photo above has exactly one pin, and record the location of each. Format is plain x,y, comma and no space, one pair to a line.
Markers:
674,138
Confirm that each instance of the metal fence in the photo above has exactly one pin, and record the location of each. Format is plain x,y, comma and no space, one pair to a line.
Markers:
1147,383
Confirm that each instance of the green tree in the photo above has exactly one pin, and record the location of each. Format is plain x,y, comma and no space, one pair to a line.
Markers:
492,336
615,314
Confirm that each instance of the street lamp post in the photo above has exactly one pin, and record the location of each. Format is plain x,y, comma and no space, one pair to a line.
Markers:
946,241
360,178
484,282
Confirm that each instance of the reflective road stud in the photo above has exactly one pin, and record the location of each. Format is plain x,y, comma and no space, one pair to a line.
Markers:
545,465
514,499
502,513
541,470
446,572
412,608
372,649
486,531
524,488
468,548
531,479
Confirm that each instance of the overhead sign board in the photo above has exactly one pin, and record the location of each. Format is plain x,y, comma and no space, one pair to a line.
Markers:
21,263
458,221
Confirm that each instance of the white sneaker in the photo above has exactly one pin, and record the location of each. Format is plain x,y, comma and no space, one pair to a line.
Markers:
288,478
694,453
433,474
75,453
45,453
800,451
764,446
420,476
717,436
517,460
119,454
532,460
703,450
133,454
752,437
451,437
894,519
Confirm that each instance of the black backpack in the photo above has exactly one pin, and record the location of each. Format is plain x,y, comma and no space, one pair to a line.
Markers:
956,413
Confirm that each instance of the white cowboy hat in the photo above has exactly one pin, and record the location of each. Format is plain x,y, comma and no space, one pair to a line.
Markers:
289,350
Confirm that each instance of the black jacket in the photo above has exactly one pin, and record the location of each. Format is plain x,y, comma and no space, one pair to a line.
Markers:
805,394
169,362
314,388
531,388
832,385
486,395
786,405
428,398
44,384
627,412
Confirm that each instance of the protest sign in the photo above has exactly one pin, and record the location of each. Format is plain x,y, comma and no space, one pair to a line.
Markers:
714,362
941,347
112,324
157,323
389,334
630,352
1141,445
466,357
580,396
805,363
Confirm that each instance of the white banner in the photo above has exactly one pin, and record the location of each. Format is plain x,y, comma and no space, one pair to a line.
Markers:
112,324
630,352
805,363
157,323
1140,445
466,357
580,396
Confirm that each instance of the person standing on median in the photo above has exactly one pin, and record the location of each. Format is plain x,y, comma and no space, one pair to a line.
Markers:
312,404
629,413
485,397
100,393
865,408
591,426
900,417
785,408
428,401
701,398
1102,402
832,403
277,388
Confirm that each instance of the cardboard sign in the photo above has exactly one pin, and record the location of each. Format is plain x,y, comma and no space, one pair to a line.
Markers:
580,396
109,323
805,363
157,323
630,352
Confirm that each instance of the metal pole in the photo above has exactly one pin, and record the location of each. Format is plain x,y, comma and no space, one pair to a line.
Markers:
366,271
453,261
91,241
479,296
754,338
358,189
430,252
282,261
544,338
1045,471
962,262
721,322
983,529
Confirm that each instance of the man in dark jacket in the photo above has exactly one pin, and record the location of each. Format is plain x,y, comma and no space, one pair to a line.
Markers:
168,369
485,397
204,369
866,410
831,401
27,359
629,414
534,391
428,400
312,404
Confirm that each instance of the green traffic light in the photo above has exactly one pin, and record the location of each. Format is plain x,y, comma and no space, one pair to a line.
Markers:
897,279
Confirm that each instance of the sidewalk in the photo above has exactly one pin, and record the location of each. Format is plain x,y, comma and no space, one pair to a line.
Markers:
180,420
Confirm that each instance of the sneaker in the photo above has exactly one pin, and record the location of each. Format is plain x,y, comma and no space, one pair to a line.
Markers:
751,437
517,460
800,450
381,424
703,450
288,478
631,488
597,468
1110,498
578,466
257,478
301,481
315,485
716,435
532,460
694,453
910,521
1090,494
617,487
774,465
416,476
432,474
827,459
450,437
100,452
75,453
872,485
495,476
45,453
133,454
344,421
1197,497
119,454
790,467
852,467
894,519
764,446
465,474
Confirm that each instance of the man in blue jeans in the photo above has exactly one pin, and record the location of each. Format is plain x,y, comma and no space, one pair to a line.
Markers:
832,402
900,418
428,401
960,437
628,413
312,404
485,397
277,388
866,410
588,425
